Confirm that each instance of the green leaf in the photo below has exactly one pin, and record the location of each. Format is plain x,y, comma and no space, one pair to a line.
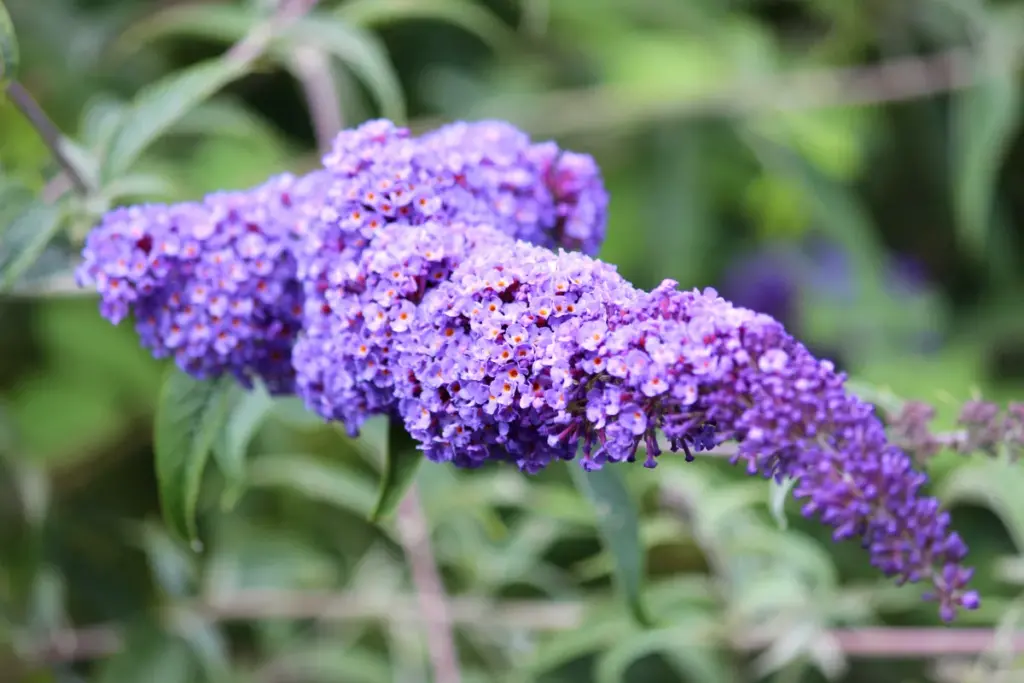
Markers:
149,655
466,15
361,51
618,523
563,647
227,23
778,492
100,121
189,417
23,242
293,412
679,645
160,105
984,120
223,118
232,444
402,462
251,557
8,47
139,186
993,484
323,661
173,569
331,483
14,198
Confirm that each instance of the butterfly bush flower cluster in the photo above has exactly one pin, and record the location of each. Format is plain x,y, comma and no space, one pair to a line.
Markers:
496,362
447,281
211,283
399,215
368,311
793,418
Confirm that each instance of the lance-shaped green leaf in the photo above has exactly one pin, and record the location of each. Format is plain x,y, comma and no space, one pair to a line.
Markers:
778,492
359,50
356,48
618,524
189,418
402,462
159,106
465,14
232,444
8,47
22,242
328,482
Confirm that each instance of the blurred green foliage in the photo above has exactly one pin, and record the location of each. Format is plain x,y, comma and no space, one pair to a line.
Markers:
889,130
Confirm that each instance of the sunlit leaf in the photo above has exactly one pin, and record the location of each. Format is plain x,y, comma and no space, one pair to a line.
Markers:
466,15
725,503
161,104
565,646
222,117
149,655
361,51
251,557
778,493
993,484
85,162
293,412
46,610
618,523
173,568
14,199
830,139
8,47
208,645
402,462
984,120
190,415
358,49
802,558
331,483
679,645
325,662
222,22
24,241
149,186
232,444
101,119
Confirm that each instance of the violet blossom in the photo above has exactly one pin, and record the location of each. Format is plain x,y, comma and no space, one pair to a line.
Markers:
384,181
416,278
211,283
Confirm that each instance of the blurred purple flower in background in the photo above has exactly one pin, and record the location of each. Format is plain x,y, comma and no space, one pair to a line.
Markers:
792,282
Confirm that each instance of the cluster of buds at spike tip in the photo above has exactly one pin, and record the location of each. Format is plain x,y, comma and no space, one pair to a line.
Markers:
982,427
447,281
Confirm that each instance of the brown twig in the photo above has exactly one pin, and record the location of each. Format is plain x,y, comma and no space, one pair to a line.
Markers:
313,71
48,132
912,643
255,42
607,107
102,640
414,533
99,641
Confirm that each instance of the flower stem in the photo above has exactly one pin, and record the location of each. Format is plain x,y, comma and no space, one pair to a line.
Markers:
48,131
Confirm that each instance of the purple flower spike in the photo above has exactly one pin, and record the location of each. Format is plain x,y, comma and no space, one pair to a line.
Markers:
349,355
385,182
211,283
535,192
793,418
495,361
415,278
